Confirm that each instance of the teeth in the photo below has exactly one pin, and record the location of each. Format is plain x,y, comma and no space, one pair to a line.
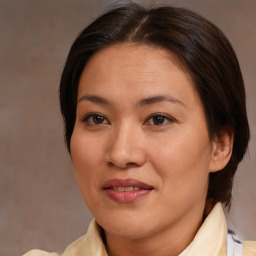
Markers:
126,189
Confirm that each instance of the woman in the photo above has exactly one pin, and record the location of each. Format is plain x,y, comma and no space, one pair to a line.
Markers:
153,103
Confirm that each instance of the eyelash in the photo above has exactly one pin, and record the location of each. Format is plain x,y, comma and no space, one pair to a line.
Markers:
166,119
87,118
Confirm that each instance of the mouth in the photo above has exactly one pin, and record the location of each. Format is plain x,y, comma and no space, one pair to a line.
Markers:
126,191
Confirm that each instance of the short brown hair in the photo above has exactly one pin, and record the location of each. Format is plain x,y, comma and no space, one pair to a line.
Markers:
203,50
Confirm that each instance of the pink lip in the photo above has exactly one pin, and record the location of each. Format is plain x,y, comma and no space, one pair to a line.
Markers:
126,196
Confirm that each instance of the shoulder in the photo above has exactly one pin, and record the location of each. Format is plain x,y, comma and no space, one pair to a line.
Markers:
74,248
40,253
249,248
89,244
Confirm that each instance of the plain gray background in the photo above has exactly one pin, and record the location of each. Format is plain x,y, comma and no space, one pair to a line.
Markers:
41,206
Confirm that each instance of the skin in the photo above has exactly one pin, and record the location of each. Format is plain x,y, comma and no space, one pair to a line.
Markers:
174,156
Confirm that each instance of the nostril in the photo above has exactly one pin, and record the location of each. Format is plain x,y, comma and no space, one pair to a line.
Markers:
131,164
110,164
123,166
126,157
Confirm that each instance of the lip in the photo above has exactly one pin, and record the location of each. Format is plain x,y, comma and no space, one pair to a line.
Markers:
142,190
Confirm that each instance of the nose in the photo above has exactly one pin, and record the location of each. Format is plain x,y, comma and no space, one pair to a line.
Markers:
125,149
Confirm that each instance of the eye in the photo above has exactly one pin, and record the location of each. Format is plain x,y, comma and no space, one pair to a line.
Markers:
95,119
158,119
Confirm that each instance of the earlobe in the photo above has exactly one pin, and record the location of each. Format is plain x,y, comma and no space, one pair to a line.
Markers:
222,149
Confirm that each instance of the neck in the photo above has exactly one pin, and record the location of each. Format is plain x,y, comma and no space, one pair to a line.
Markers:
170,241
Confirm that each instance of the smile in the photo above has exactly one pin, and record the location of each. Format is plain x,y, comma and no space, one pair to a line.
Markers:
126,191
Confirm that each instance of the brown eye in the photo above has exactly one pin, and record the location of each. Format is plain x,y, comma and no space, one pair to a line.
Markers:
159,119
95,119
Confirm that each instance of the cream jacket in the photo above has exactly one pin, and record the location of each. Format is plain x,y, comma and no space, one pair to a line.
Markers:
210,240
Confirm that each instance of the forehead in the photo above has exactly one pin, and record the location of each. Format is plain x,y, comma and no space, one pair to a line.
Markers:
135,69
142,57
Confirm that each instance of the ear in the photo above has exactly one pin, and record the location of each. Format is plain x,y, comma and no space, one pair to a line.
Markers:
222,149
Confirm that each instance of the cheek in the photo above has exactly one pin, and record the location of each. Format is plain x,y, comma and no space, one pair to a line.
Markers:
85,155
182,159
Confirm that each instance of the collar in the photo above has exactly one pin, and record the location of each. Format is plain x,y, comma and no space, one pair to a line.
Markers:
211,237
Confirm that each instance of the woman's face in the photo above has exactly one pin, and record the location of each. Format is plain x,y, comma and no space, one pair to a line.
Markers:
140,144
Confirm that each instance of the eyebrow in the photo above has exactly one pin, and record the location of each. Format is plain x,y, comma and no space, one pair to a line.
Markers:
141,103
159,98
94,99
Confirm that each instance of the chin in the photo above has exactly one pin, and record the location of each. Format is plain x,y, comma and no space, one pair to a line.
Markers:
134,232
129,225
